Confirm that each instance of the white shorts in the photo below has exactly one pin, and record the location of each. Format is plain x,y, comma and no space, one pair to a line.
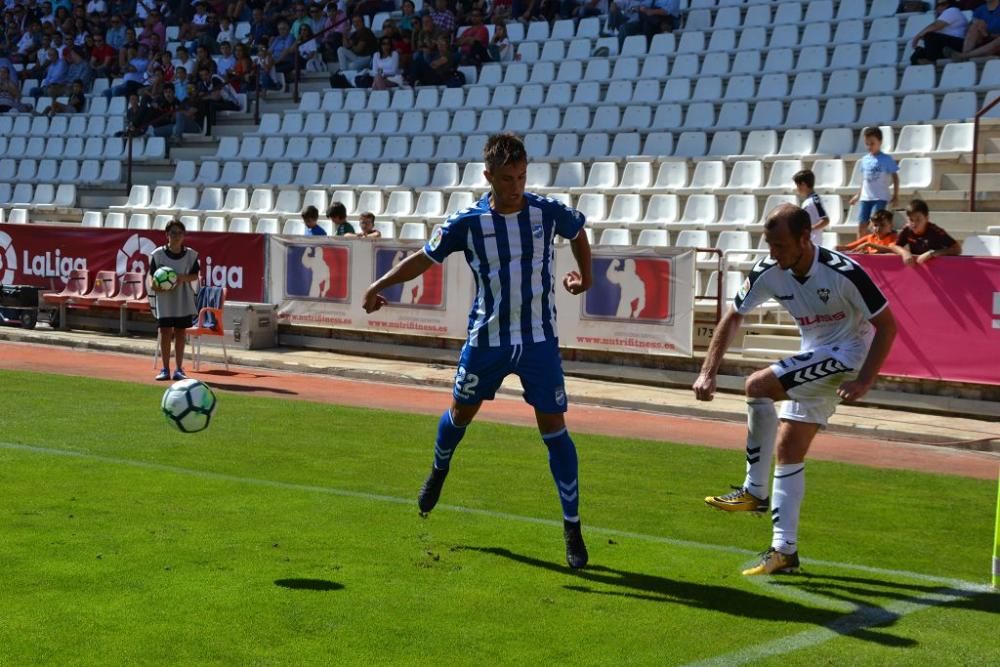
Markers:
811,380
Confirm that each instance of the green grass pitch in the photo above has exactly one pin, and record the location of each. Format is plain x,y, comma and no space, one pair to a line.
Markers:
287,534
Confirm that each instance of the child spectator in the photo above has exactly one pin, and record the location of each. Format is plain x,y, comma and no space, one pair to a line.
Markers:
880,240
805,181
338,218
368,230
877,170
501,50
921,240
310,216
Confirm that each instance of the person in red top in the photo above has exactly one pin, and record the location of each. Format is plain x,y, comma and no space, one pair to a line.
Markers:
472,41
880,239
921,240
103,58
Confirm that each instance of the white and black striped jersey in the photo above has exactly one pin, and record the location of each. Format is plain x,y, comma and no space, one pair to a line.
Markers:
813,205
511,257
831,304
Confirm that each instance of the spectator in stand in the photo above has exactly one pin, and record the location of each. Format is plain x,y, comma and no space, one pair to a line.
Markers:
943,38
983,37
226,60
204,60
339,24
300,18
194,32
443,18
581,9
265,62
359,46
386,69
503,10
648,17
260,28
317,19
473,40
400,44
880,239
310,216
368,230
10,93
435,64
877,171
409,21
226,34
464,8
537,10
124,55
426,31
215,95
805,183
167,67
98,7
55,72
116,34
244,72
310,59
181,83
76,103
78,70
282,49
103,58
338,218
183,59
501,50
921,240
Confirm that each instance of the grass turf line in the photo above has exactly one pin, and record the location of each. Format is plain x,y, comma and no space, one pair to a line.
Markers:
109,563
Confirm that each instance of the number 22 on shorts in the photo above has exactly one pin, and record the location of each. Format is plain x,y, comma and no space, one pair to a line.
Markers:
465,383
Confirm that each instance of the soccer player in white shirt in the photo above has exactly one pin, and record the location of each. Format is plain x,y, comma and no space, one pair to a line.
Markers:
847,329
507,239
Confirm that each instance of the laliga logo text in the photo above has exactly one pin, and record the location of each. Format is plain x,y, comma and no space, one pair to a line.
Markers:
221,275
8,260
134,255
51,265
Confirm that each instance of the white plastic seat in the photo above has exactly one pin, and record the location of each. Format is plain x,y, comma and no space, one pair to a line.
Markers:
761,143
797,142
726,143
708,175
268,226
745,175
214,223
400,204
240,226
700,210
615,237
829,173
625,210
919,108
261,201
774,201
780,177
289,201
739,210
915,140
915,173
959,106
878,110
115,220
956,138
981,245
92,219
593,207
841,82
691,145
636,176
660,210
839,111
835,141
657,238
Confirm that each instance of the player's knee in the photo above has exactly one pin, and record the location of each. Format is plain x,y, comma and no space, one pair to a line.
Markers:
757,386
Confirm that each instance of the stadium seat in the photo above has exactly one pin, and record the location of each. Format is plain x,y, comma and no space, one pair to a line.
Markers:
745,176
708,175
739,211
699,210
917,109
981,245
956,139
416,231
92,219
915,140
139,221
267,226
915,173
445,175
829,173
635,177
658,238
240,226
780,177
626,210
615,237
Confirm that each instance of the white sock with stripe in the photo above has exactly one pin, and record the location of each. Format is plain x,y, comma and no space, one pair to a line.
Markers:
786,503
762,429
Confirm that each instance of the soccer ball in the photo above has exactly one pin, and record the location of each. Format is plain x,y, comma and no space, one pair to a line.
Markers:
189,405
165,278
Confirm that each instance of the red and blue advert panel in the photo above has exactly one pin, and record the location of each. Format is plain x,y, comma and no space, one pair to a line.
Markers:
425,291
629,288
318,272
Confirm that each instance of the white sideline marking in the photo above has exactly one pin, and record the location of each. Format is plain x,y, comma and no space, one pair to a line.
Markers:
957,584
863,617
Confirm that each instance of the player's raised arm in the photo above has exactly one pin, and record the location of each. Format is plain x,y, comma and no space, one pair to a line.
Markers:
729,326
408,269
578,282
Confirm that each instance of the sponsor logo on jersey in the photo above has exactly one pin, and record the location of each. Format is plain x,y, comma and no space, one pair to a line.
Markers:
821,318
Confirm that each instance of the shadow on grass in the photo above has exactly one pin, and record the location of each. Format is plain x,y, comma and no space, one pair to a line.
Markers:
309,584
251,388
732,601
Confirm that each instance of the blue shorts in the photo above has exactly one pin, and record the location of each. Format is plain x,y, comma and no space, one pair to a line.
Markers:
868,207
481,370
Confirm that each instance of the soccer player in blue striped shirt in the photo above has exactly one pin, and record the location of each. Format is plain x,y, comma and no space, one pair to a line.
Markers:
507,239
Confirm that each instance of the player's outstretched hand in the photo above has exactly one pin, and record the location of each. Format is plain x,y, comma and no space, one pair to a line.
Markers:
704,387
373,300
573,283
853,390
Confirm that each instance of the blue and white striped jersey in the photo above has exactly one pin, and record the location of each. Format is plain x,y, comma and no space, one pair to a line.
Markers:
511,259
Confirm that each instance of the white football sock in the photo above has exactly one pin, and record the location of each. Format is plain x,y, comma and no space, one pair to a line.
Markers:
762,429
786,503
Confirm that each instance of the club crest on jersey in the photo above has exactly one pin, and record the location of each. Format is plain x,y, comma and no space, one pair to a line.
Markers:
560,396
436,238
824,294
744,289
537,231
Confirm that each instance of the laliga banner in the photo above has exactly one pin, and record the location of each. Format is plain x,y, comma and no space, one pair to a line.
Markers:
947,315
642,301
44,256
320,281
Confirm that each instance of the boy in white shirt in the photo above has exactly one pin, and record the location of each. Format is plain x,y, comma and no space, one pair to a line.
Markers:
877,171
805,181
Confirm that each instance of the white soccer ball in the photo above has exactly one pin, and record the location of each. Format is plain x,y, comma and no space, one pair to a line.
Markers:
165,278
189,405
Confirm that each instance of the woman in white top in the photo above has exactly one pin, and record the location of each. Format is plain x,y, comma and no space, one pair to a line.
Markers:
385,65
947,32
311,61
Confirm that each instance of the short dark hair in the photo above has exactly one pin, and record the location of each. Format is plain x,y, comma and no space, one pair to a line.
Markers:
882,215
798,221
175,224
917,206
805,177
503,149
873,132
336,210
368,215
310,212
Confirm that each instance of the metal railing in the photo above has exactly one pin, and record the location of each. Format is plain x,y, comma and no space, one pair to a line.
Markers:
975,152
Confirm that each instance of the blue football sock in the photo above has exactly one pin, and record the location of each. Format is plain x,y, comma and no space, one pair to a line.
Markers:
448,438
563,464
